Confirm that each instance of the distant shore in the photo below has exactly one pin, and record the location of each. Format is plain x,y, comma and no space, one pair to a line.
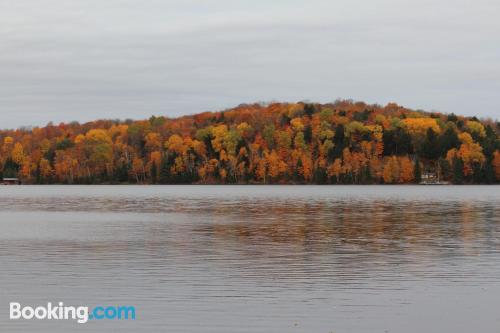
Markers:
344,142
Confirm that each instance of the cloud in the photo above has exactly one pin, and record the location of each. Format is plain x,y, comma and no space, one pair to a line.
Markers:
83,60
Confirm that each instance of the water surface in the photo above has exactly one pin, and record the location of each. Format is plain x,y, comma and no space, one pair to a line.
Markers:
255,258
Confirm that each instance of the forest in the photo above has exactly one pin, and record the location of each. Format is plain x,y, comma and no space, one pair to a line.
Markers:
343,142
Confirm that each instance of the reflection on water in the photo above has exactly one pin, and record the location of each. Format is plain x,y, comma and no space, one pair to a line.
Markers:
256,258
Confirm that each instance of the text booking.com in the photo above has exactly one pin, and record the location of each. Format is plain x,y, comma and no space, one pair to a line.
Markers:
59,311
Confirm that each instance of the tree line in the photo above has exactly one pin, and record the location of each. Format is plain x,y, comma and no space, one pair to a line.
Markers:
344,142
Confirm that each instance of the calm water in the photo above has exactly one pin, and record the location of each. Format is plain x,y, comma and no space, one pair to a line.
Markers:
255,258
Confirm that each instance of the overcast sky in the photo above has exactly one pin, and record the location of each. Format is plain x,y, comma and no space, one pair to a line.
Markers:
64,60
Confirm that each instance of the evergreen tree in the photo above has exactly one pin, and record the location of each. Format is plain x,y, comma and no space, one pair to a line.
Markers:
154,174
10,168
447,141
430,145
366,175
417,171
164,171
397,142
308,134
339,142
489,143
309,109
478,173
445,168
458,171
452,117
121,173
320,176
296,175
489,172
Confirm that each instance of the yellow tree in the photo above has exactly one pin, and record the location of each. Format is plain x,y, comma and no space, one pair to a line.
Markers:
65,166
391,170
99,148
377,132
26,168
284,142
347,162
261,170
496,164
154,165
306,170
17,154
406,170
8,144
419,126
376,167
202,173
335,169
138,169
470,153
153,142
45,169
299,141
475,127
218,133
176,144
276,167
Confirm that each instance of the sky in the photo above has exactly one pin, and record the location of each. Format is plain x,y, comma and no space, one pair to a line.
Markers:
83,60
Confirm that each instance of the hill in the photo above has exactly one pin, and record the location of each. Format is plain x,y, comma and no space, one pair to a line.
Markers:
284,143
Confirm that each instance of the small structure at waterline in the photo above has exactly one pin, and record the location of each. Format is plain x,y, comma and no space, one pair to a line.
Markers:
430,178
11,181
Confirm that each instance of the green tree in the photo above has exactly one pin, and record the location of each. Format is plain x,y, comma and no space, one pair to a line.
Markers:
430,146
448,140
165,170
417,171
458,171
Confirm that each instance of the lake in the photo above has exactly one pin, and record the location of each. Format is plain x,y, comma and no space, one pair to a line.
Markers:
255,258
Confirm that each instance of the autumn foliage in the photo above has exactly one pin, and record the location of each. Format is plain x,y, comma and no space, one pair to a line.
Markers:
343,142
